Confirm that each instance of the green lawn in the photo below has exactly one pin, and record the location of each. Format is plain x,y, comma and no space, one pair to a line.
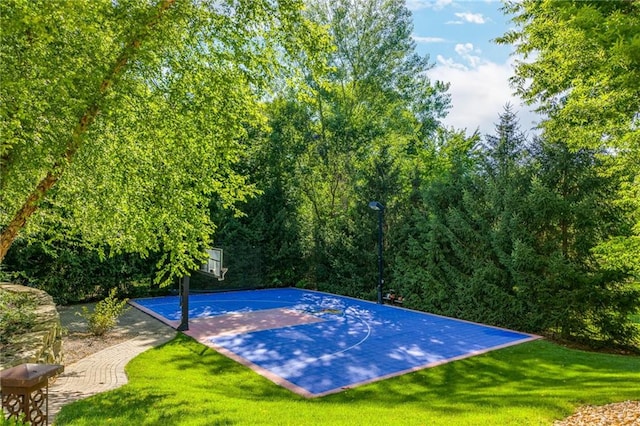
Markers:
185,383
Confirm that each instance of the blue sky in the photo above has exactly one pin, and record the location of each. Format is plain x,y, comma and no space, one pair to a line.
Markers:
457,36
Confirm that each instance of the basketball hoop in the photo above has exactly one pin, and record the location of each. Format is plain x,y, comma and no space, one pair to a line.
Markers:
213,266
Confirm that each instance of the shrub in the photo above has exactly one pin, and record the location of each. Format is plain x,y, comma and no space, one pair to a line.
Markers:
71,273
4,421
105,314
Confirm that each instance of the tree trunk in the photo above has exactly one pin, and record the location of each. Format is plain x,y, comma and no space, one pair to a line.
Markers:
30,205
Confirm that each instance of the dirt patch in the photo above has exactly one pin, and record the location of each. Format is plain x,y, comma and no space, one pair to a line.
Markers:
78,343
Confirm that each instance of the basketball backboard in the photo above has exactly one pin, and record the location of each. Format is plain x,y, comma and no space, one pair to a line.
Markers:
214,263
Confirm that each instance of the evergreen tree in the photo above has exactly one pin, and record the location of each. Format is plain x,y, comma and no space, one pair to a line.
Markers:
574,211
508,239
506,179
429,260
581,68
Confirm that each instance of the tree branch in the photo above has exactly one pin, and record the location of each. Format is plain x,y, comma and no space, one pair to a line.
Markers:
30,205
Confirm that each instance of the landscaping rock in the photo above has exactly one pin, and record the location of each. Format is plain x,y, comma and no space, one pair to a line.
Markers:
43,343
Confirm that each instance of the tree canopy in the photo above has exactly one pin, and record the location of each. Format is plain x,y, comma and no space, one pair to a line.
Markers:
138,129
122,120
580,65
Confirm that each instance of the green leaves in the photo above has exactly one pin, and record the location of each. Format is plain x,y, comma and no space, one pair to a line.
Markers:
164,95
581,67
503,233
105,314
586,67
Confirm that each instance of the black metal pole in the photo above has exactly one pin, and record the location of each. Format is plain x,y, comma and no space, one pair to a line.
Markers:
380,261
184,303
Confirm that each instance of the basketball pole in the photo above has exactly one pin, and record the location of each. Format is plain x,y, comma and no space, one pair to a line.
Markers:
184,304
375,205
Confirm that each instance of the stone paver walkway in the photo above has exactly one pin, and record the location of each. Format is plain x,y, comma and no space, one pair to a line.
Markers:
104,370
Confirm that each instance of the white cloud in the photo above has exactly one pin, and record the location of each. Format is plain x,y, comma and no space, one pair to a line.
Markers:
450,63
474,18
479,91
466,51
414,5
420,39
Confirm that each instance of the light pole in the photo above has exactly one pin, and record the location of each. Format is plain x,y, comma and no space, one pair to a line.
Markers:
375,205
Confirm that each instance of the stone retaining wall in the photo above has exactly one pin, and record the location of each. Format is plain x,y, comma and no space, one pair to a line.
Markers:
42,344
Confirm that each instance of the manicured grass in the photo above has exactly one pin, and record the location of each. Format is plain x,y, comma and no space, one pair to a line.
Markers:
185,383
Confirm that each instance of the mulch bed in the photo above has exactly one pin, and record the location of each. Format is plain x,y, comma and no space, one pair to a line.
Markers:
619,414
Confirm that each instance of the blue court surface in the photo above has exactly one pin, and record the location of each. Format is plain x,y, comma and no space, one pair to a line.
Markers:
317,343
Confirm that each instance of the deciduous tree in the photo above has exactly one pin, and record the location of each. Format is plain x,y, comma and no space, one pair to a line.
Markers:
581,66
120,120
374,111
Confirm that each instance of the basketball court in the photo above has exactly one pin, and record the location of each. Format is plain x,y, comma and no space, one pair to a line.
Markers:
317,343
